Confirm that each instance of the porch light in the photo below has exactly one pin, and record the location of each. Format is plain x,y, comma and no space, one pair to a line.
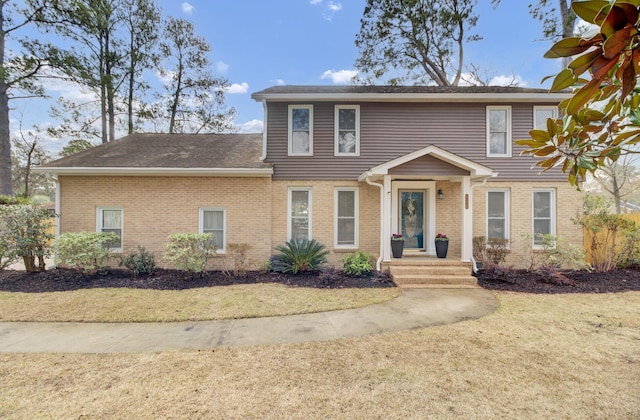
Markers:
440,194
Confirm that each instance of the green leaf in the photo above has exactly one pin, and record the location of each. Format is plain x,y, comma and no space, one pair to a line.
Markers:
589,10
618,41
567,47
563,80
582,96
583,62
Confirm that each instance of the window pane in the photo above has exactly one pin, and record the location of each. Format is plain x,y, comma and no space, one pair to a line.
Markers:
541,227
496,228
346,203
498,143
346,231
300,119
299,203
300,142
299,229
111,219
218,237
213,219
498,120
347,142
496,204
347,119
117,243
542,204
541,117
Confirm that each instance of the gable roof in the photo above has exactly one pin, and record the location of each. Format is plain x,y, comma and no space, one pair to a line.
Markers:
475,170
409,94
164,154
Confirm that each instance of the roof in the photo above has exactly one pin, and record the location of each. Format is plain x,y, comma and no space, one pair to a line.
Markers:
157,154
409,93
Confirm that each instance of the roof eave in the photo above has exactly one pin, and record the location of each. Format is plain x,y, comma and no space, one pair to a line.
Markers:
413,97
131,171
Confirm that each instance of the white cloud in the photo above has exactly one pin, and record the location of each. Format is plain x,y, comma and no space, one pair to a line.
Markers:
330,8
504,80
166,77
253,126
340,77
238,88
334,7
222,67
315,2
187,8
278,82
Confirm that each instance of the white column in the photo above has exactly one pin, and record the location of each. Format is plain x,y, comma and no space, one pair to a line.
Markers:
467,219
386,217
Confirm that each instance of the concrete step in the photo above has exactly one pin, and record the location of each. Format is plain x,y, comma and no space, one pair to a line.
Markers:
449,270
413,280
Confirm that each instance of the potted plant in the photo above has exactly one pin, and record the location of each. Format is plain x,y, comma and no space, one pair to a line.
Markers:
442,245
397,245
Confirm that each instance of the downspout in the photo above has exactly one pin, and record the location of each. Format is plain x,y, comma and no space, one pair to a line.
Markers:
264,130
473,186
57,211
379,261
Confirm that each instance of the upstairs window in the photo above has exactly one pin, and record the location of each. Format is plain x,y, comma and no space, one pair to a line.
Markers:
347,130
109,220
541,114
498,131
300,130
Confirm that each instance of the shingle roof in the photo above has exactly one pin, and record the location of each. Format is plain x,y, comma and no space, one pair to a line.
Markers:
328,89
224,151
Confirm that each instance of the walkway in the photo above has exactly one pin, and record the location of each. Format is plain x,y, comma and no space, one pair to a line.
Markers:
415,308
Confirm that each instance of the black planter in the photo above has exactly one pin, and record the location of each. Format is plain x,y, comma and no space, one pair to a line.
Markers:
396,248
441,248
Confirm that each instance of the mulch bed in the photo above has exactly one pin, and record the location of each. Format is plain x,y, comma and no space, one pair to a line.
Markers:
59,280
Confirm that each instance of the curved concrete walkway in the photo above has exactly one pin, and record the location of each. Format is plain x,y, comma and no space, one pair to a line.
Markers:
415,308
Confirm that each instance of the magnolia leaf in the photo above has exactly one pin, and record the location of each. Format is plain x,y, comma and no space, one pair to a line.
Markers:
601,66
552,127
618,41
590,10
582,96
545,151
568,46
563,80
628,78
549,163
586,163
616,20
541,136
583,62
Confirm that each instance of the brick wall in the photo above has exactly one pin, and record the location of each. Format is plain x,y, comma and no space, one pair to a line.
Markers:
568,202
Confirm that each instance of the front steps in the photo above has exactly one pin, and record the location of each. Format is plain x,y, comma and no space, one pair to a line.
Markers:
421,272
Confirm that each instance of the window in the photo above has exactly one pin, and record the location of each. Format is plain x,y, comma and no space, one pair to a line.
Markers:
299,213
346,218
498,214
498,131
109,219
347,130
301,130
544,222
213,221
541,114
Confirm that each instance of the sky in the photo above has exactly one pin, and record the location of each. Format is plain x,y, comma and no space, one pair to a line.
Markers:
258,43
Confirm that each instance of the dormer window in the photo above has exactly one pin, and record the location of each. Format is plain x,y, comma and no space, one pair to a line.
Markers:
498,131
347,130
300,130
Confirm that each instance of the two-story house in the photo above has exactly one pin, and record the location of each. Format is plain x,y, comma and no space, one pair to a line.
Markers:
346,165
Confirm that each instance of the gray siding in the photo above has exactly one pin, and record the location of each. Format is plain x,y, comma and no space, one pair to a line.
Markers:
391,130
428,165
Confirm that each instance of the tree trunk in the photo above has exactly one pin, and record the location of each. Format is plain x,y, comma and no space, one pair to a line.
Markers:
568,19
6,187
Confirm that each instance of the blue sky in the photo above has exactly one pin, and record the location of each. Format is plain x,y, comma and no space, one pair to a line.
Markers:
257,44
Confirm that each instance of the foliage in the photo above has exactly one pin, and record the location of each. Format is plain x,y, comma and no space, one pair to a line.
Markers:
190,252
238,254
554,251
26,229
422,39
397,237
480,249
330,277
85,251
383,277
141,263
496,272
498,250
441,237
550,274
75,146
629,254
358,264
601,119
28,152
299,255
602,229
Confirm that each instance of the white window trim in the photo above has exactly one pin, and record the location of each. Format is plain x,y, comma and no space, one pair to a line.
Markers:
309,210
553,109
356,221
552,204
509,129
290,130
336,140
224,225
507,213
99,221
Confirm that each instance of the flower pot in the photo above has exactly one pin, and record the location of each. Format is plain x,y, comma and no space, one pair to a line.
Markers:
441,248
396,248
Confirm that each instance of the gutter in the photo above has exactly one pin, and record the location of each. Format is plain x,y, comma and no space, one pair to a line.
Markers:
132,171
415,97
381,257
264,130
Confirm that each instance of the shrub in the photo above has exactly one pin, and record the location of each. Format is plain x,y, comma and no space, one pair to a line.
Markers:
497,251
141,263
383,277
496,272
549,274
629,254
85,251
480,249
25,231
190,252
554,251
299,255
236,253
330,277
358,264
